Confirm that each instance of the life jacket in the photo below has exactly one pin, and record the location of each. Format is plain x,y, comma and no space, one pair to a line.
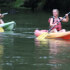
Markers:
58,27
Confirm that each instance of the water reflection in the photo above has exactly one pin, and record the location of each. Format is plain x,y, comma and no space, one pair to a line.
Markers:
1,55
53,54
1,52
6,48
19,52
53,43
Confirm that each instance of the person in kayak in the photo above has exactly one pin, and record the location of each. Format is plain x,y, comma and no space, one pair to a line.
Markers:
55,19
1,21
1,16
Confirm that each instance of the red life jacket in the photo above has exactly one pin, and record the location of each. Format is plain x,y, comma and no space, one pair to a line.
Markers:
58,27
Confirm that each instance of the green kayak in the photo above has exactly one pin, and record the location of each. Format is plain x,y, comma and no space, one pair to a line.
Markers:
9,26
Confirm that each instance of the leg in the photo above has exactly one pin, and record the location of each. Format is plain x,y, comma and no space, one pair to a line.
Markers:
44,30
63,30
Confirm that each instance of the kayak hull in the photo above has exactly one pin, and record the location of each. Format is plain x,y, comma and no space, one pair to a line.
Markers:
59,35
9,26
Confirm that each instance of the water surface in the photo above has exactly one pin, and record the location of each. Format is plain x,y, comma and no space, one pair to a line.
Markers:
20,51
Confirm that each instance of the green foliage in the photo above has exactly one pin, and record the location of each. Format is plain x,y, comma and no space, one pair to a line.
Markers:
17,3
41,3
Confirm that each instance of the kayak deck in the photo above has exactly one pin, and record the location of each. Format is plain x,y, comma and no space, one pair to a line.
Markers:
63,35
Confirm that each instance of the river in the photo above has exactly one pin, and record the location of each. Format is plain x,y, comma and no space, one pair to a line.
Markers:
20,51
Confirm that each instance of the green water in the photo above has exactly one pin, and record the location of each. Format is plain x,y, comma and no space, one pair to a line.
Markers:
20,51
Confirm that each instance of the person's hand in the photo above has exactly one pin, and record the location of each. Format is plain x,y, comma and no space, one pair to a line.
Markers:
66,15
55,24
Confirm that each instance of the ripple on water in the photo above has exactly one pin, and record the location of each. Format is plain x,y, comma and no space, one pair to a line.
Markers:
20,33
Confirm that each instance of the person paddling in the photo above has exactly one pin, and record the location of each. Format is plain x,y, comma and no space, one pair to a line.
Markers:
1,16
55,19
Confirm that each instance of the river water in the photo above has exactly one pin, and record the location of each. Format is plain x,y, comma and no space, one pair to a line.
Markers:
20,51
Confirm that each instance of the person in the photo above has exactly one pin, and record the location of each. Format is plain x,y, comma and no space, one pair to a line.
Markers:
55,19
1,16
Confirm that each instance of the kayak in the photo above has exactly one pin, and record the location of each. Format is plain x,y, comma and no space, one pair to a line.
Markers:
58,35
9,26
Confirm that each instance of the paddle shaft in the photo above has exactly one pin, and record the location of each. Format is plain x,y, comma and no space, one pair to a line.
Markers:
57,23
4,14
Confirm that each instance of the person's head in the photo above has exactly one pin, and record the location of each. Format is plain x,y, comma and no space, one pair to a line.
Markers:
55,12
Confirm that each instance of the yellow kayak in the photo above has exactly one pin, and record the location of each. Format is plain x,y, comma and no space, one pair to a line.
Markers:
1,29
60,35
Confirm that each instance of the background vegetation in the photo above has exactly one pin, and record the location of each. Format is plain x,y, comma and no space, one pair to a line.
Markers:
62,5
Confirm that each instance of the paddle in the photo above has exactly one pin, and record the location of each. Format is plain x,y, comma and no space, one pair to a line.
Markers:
4,14
44,35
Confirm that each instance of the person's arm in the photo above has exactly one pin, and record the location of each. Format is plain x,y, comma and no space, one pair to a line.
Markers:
66,19
51,22
1,16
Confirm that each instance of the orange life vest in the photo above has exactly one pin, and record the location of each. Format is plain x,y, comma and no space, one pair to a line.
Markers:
55,21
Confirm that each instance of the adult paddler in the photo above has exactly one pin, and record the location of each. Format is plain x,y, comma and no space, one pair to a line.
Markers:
55,19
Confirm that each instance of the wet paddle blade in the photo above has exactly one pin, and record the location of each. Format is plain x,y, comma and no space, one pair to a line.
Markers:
42,37
1,29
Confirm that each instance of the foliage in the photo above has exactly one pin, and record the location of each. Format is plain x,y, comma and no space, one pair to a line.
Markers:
17,3
41,4
46,4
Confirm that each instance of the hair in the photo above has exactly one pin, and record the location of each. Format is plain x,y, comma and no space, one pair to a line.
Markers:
56,10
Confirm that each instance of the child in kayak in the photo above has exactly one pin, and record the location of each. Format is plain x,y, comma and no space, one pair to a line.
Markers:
1,16
55,19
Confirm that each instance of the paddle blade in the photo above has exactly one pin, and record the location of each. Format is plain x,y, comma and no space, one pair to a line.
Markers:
1,29
42,37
